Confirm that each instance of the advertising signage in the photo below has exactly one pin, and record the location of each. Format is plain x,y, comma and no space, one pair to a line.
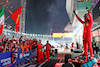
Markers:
58,35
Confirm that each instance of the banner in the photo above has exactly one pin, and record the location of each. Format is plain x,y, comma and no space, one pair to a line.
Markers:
34,53
23,58
6,59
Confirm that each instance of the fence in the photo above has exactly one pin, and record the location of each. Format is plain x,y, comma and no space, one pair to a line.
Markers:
6,58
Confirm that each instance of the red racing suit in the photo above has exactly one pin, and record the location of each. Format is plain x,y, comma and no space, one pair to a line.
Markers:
40,53
48,46
72,45
87,34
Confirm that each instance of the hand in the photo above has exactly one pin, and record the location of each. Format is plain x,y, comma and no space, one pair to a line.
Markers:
74,12
87,8
3,51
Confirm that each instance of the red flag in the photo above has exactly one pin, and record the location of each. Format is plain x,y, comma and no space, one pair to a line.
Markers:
16,17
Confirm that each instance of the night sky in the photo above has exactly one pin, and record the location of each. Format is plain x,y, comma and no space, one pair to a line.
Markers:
43,15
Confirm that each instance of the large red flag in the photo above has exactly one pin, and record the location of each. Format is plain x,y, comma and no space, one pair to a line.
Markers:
16,17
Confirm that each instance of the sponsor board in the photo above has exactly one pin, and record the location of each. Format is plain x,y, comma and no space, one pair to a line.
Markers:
5,58
23,58
5,61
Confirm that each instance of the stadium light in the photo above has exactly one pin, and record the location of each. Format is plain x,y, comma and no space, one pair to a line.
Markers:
35,34
41,34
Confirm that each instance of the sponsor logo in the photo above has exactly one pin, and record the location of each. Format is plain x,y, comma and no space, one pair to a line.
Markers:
6,61
25,55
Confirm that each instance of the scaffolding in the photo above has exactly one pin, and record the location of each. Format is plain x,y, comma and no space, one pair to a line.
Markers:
22,18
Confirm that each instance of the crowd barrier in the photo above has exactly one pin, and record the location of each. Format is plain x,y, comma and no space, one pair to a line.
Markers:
6,59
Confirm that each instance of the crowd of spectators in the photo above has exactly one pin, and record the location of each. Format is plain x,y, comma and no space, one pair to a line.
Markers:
22,43
13,44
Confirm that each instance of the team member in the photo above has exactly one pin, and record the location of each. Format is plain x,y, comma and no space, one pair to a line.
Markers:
88,22
40,53
14,53
72,46
48,46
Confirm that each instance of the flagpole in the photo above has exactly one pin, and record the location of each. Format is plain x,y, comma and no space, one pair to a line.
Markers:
6,18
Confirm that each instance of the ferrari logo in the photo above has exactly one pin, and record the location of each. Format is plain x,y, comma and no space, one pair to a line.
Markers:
17,18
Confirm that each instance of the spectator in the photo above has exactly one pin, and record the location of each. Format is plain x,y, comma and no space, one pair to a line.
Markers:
66,46
5,46
20,38
94,46
77,45
61,46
